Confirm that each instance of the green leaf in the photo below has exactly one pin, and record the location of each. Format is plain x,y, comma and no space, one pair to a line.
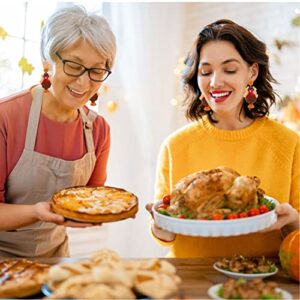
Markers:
163,212
270,205
270,296
187,214
241,281
220,291
296,21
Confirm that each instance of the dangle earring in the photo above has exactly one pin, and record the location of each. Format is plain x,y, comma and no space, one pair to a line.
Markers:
250,95
45,81
94,99
204,103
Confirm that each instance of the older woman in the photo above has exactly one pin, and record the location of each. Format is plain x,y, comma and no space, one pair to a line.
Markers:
229,94
49,139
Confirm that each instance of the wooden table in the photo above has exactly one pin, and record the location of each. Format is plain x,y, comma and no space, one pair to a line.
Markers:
198,276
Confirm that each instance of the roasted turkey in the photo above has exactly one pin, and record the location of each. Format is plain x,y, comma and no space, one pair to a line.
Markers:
220,190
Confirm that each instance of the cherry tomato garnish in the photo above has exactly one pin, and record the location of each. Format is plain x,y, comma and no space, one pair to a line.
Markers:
263,209
217,217
181,216
242,215
253,212
162,206
166,199
232,216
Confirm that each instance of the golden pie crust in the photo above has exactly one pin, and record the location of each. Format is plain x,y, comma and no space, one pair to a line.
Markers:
21,278
106,276
95,204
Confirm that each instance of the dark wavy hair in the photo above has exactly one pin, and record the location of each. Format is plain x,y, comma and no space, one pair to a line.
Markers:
251,49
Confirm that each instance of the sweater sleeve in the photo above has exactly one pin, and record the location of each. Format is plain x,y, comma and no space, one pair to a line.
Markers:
295,190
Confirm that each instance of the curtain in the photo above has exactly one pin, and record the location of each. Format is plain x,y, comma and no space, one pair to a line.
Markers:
143,84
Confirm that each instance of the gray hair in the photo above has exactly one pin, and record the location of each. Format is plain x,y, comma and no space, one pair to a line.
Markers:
72,22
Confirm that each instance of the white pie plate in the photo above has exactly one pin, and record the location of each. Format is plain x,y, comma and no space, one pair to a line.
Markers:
215,228
237,275
213,293
46,290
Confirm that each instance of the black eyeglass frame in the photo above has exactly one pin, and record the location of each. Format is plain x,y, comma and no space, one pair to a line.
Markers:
85,69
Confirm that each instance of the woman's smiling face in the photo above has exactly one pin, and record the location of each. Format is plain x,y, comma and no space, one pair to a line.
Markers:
223,76
73,92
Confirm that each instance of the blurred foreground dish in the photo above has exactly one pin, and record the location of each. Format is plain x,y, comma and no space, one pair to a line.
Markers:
253,289
247,265
106,276
21,278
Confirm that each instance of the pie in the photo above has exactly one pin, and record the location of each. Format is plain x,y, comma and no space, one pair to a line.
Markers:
95,204
21,278
106,276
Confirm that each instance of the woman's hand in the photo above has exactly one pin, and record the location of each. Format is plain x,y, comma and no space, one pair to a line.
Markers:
44,213
287,217
158,232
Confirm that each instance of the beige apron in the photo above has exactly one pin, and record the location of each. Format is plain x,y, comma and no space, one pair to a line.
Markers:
35,178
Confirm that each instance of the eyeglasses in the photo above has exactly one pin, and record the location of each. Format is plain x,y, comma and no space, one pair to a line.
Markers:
75,69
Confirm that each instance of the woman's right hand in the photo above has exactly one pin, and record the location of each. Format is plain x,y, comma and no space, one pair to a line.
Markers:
44,213
158,232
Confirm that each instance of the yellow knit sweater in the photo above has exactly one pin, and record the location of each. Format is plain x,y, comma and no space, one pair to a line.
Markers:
265,149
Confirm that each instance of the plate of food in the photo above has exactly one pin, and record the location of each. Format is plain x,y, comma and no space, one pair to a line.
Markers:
243,289
217,202
246,267
46,290
91,204
49,293
21,278
106,276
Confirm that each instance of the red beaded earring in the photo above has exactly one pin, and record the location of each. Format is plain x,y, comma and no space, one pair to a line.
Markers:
250,95
204,103
45,81
94,99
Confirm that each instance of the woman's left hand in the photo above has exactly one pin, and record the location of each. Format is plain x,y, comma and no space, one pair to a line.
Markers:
286,216
42,211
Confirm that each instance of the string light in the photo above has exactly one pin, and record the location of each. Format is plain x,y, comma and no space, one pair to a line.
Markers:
25,66
3,33
111,106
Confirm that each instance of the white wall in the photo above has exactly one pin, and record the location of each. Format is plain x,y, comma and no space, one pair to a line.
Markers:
142,83
267,20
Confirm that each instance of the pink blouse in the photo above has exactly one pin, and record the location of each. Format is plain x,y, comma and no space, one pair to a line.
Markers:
65,141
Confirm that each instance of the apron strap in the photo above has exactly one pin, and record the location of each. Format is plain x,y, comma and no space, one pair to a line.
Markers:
88,128
34,116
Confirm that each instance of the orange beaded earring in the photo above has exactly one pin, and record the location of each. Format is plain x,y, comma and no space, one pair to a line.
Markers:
204,103
250,95
45,81
94,99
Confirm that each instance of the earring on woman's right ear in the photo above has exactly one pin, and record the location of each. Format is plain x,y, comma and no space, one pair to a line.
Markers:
45,81
204,103
93,100
250,95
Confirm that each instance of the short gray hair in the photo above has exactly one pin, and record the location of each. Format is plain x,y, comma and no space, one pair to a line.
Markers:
70,23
